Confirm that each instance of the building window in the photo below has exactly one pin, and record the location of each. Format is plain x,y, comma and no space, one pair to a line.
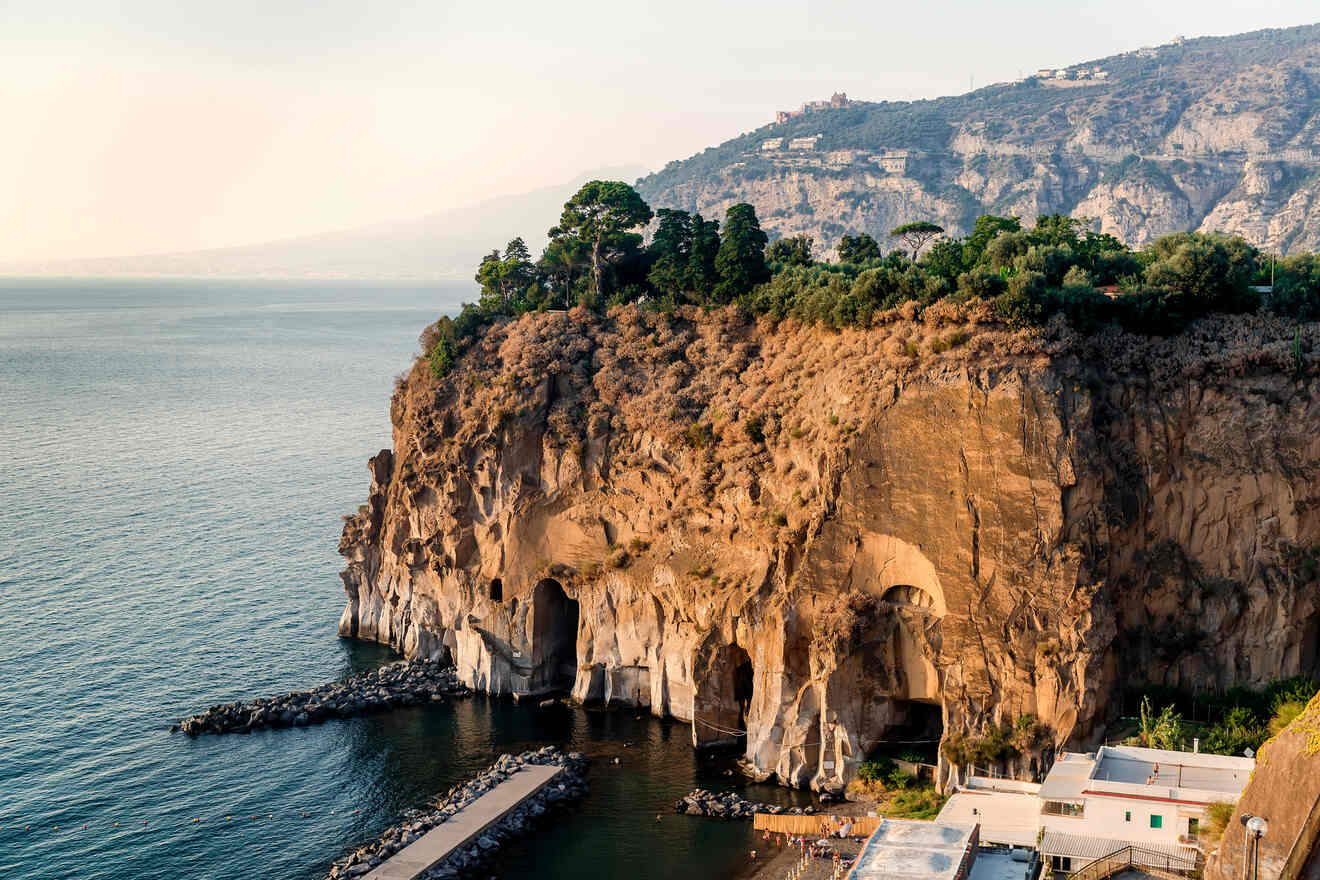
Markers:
1193,827
1156,821
1127,817
1064,808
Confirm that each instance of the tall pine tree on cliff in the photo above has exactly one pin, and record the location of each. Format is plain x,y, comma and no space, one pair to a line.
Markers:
741,259
599,214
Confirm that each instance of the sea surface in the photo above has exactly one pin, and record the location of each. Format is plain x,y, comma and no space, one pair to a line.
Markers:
175,458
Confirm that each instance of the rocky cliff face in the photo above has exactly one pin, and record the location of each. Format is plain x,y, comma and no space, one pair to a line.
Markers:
1285,791
808,542
1217,134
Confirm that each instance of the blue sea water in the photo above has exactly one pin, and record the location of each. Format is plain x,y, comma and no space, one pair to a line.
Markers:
175,458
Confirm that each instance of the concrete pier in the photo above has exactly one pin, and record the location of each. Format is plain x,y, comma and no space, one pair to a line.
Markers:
429,850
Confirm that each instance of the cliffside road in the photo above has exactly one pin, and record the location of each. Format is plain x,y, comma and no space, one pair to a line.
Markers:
406,683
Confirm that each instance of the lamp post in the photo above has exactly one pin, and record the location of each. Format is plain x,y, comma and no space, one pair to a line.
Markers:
1256,827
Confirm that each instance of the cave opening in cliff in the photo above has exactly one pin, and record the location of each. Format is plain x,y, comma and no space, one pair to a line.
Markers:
910,730
497,590
723,701
554,637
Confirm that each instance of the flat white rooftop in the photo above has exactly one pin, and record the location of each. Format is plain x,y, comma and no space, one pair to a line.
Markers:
1010,818
912,848
1134,771
1175,772
998,865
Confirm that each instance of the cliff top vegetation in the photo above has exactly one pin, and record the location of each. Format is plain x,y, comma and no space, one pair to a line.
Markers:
999,274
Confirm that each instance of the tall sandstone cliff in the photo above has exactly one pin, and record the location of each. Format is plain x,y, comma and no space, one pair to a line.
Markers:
807,542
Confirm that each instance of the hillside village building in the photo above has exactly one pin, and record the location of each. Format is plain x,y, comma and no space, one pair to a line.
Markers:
1095,804
1129,796
836,101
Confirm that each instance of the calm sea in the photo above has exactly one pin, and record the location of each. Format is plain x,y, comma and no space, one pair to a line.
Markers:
175,458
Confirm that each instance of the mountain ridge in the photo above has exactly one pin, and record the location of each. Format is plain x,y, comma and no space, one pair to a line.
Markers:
1211,133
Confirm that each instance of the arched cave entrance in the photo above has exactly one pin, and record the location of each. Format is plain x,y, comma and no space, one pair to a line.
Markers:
497,590
723,699
554,637
906,594
884,696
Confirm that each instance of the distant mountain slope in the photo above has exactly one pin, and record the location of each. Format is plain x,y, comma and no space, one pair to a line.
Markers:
447,244
1217,133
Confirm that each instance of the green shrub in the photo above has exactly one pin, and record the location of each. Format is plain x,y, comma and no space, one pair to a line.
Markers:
698,435
875,771
1237,731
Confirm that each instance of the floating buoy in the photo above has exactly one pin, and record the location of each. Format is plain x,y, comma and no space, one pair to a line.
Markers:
196,820
117,824
227,818
144,821
84,828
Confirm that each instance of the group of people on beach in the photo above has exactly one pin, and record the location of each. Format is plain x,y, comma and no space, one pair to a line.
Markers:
833,826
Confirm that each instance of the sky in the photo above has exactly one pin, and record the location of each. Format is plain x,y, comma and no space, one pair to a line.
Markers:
148,126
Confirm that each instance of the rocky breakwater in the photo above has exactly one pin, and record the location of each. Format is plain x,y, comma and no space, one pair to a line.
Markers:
730,805
568,785
807,542
405,683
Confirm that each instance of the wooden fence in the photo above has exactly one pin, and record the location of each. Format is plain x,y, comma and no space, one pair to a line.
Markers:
813,826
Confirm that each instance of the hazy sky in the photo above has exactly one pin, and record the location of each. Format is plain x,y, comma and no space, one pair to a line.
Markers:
135,127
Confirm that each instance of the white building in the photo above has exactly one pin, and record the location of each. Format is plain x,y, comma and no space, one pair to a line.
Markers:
1150,799
894,162
772,144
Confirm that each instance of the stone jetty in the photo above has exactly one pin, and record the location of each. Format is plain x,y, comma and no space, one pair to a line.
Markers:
729,805
405,683
565,788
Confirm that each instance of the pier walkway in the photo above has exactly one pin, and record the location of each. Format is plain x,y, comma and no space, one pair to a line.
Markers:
464,827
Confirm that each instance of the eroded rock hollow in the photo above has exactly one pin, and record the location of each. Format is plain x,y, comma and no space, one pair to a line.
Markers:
807,542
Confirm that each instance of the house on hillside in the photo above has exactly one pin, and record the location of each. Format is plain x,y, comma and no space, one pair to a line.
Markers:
804,143
772,144
836,101
893,162
1153,801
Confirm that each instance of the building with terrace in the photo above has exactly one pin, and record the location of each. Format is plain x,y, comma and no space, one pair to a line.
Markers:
1150,800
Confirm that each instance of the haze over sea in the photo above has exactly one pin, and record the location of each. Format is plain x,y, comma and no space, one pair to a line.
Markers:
176,460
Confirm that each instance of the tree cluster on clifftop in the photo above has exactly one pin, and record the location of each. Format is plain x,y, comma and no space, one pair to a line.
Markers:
597,258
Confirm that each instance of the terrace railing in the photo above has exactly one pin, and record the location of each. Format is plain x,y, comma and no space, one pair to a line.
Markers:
1148,861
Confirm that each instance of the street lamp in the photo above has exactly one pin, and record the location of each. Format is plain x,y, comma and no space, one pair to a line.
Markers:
1256,827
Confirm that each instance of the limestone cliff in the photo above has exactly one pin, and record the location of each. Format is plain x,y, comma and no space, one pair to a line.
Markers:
807,542
1216,134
